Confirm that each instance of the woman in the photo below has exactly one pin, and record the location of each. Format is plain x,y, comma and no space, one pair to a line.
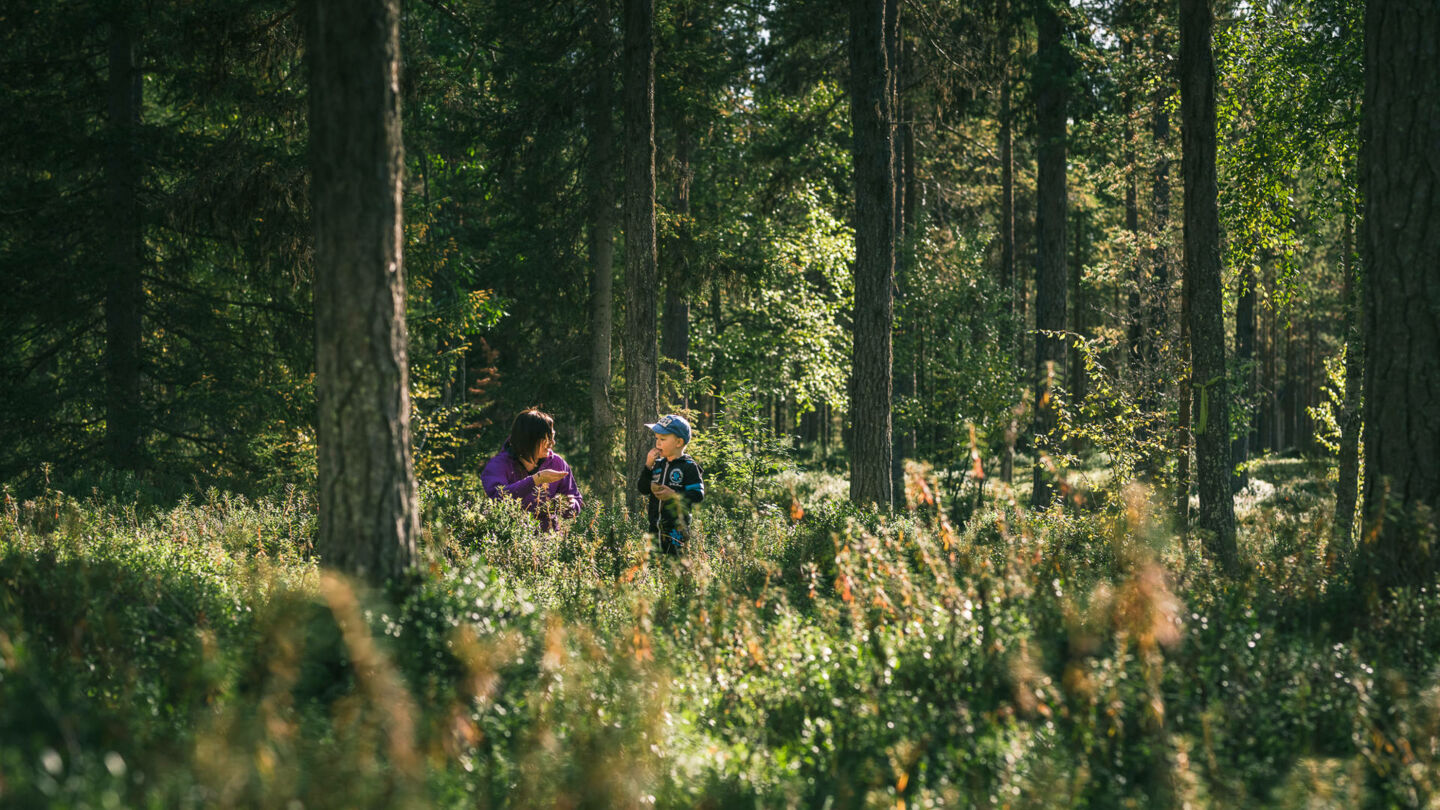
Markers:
526,469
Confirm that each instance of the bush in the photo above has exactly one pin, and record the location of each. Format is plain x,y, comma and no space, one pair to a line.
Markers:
196,656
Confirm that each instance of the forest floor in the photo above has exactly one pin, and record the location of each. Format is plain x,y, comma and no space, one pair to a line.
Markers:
804,654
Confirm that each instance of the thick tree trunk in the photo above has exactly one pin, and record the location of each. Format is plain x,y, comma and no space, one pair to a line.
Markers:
1347,485
602,254
642,393
124,295
368,517
1202,269
871,448
1051,81
1400,183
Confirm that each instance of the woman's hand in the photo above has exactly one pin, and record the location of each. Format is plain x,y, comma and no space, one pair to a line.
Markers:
545,477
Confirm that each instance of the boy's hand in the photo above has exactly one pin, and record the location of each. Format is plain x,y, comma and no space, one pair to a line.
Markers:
544,477
651,456
662,492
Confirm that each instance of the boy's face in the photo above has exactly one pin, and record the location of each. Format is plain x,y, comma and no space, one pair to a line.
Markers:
669,445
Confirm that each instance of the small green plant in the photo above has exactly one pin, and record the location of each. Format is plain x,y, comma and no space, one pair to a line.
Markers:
740,451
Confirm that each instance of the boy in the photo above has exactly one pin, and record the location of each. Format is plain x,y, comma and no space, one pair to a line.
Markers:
674,482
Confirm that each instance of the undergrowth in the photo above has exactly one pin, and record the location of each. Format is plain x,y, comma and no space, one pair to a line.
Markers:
803,654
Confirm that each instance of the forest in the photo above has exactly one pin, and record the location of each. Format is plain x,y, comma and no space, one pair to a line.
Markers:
1064,377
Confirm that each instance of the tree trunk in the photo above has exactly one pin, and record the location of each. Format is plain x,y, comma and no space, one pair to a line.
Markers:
124,295
1182,411
675,326
1294,386
368,516
642,393
717,365
871,448
1078,321
1202,269
602,254
1051,81
1009,279
1400,183
902,357
1156,305
1245,363
1270,363
824,416
1134,313
1347,485
1311,390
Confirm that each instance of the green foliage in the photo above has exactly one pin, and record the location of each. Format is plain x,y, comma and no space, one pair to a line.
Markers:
739,451
1292,81
780,287
195,656
1110,422
1327,413
973,375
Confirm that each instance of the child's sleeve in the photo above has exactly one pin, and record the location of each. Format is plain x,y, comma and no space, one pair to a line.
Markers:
642,486
694,484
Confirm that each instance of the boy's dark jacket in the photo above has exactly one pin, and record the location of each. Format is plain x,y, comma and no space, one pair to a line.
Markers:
685,477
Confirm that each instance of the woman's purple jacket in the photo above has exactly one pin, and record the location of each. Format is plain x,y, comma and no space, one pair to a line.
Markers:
505,473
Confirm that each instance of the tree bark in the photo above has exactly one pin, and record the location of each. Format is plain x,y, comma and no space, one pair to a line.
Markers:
1311,389
1245,363
1202,268
1135,331
602,254
642,394
675,323
903,355
124,294
1078,316
1183,443
1009,279
1270,382
1051,82
1286,399
368,517
717,364
1155,306
871,447
1400,183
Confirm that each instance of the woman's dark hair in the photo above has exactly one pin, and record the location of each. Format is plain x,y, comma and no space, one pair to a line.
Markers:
531,428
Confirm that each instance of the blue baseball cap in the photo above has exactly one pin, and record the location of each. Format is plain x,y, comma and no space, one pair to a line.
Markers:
673,424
